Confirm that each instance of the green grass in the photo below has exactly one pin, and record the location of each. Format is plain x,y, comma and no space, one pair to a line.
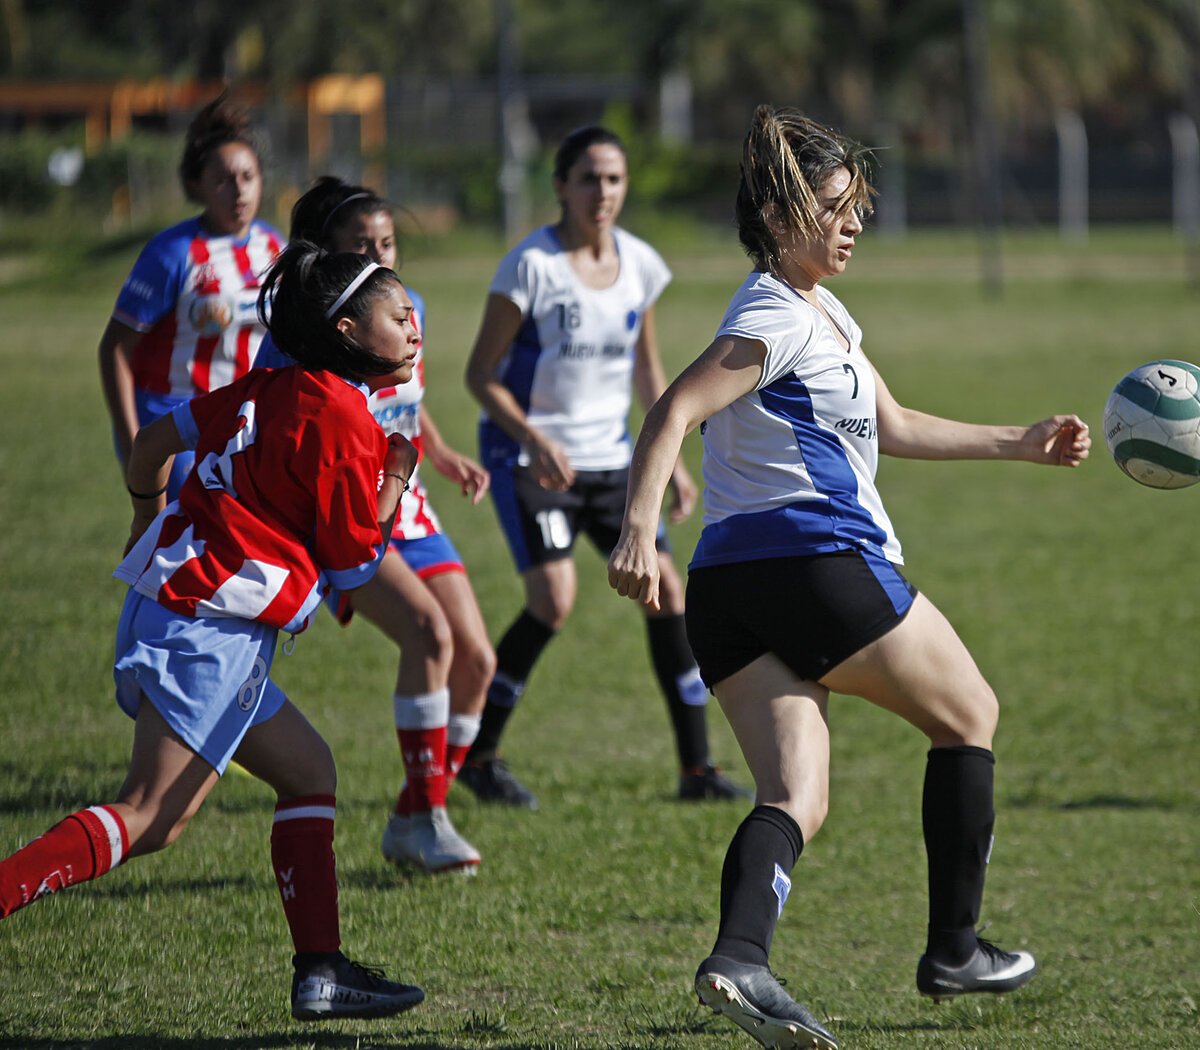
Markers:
1076,591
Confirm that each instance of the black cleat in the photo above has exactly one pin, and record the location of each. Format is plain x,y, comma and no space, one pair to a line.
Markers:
333,986
989,970
708,782
491,781
752,998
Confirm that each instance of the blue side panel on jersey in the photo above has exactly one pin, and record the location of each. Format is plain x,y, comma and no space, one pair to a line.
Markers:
522,362
494,444
825,459
809,526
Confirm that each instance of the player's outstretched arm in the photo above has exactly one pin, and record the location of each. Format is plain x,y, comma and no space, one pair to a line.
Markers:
1061,440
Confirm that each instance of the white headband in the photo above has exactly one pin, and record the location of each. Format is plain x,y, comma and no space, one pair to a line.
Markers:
351,288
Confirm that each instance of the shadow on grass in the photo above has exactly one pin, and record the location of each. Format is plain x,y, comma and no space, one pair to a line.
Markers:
1111,802
66,790
307,1038
119,889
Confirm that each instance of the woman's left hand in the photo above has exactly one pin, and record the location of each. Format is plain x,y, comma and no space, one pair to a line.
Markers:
1062,441
468,475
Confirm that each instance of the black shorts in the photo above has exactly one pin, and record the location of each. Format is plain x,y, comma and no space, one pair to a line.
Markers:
541,525
811,611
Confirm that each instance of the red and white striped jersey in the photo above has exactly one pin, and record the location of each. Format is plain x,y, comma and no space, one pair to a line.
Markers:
282,502
194,295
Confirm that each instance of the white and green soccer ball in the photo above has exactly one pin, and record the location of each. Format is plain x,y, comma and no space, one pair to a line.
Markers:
1152,424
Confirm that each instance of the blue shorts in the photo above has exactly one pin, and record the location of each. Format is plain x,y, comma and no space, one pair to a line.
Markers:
427,556
207,676
541,525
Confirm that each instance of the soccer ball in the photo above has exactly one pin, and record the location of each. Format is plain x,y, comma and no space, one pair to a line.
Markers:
1152,424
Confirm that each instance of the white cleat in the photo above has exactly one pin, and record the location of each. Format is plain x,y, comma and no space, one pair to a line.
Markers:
430,842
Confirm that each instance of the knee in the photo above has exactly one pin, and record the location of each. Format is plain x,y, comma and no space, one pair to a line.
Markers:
805,800
431,637
973,721
808,812
314,774
551,608
475,664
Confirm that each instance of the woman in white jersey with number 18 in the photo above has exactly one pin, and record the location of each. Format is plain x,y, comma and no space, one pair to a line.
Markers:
567,333
794,589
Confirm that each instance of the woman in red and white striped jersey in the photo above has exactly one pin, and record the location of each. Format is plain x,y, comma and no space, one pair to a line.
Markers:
186,319
295,490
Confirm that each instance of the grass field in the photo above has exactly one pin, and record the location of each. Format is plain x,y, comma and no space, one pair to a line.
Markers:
1077,592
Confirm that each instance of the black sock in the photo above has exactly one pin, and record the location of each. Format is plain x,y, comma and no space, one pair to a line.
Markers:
679,679
755,881
516,654
957,818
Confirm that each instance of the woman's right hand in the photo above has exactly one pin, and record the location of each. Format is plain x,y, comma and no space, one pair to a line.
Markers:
633,569
548,461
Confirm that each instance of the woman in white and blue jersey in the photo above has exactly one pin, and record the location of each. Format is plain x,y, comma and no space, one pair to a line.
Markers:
794,590
567,336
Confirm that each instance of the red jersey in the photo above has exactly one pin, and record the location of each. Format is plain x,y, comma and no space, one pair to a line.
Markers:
283,501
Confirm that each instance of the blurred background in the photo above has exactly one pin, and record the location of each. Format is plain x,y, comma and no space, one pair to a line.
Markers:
1059,114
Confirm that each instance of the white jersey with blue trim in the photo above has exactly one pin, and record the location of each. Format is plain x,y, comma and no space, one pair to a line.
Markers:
789,468
570,367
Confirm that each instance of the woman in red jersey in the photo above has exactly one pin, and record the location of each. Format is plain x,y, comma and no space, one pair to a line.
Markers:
294,491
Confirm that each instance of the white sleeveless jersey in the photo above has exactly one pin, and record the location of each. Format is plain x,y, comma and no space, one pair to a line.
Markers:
790,467
571,365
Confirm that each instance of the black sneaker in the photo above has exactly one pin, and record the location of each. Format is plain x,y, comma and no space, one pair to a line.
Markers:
491,781
753,998
708,782
989,970
333,986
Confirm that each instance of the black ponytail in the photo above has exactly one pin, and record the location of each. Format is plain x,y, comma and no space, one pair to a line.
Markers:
300,287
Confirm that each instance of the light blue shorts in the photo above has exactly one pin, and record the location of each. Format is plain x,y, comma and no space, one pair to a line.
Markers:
208,676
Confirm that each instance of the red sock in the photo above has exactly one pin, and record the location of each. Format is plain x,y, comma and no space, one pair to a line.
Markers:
80,847
460,735
302,855
421,729
424,755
